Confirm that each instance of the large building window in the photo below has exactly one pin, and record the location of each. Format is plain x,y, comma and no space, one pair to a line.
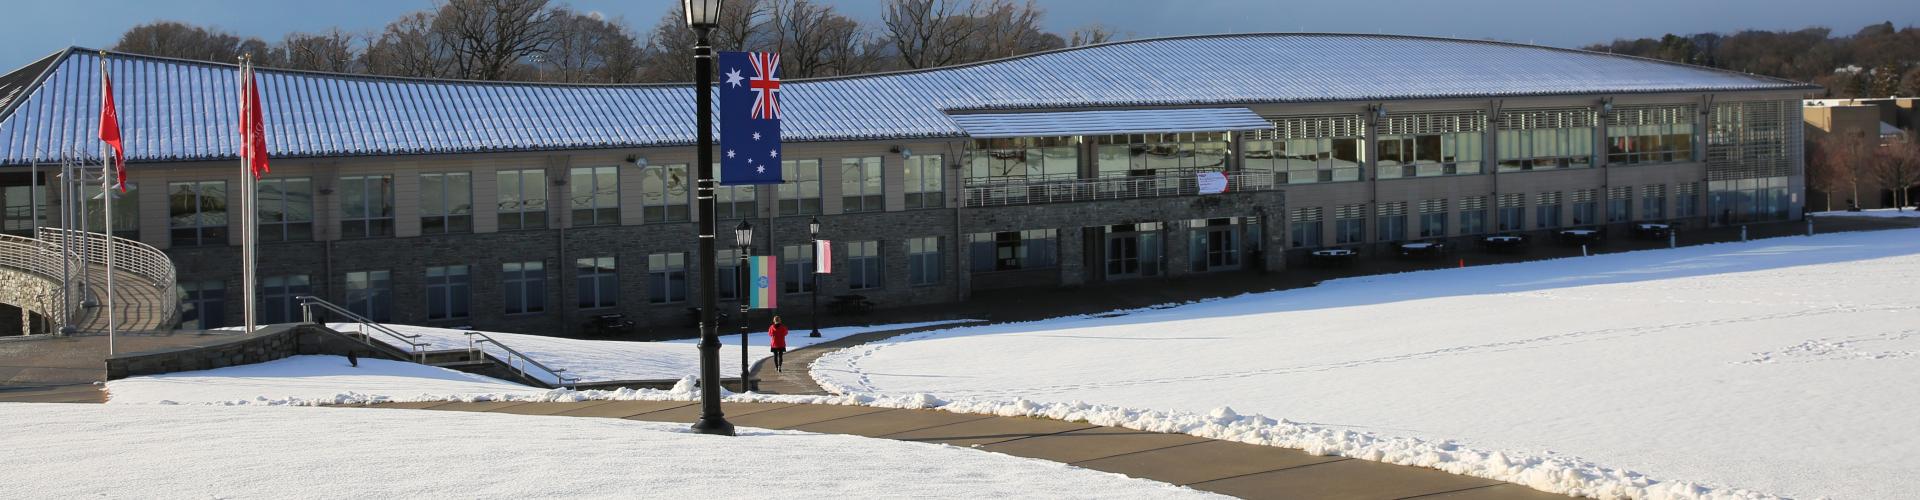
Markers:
1023,159
1473,215
860,185
1619,204
1430,144
1350,224
1433,218
1546,139
1134,250
370,294
23,202
925,176
1686,200
1306,225
202,304
667,278
1307,149
446,203
449,292
596,195
800,194
1586,208
1213,244
1753,148
598,282
280,297
1513,212
366,206
1160,154
525,286
923,261
1650,134
126,211
727,268
663,193
286,209
1013,250
1393,220
734,202
1653,202
796,268
1546,208
197,212
523,199
864,265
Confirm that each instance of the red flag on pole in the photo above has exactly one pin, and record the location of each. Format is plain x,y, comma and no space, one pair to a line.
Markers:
110,128
253,130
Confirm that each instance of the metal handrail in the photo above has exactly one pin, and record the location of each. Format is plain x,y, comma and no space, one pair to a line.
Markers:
415,348
1107,188
139,259
559,375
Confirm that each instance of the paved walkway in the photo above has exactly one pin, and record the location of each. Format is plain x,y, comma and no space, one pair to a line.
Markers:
81,359
79,393
1242,470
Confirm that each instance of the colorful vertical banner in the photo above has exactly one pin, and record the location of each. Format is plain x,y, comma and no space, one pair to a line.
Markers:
760,284
823,257
749,118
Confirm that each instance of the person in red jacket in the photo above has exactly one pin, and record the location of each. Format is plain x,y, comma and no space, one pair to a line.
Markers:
778,332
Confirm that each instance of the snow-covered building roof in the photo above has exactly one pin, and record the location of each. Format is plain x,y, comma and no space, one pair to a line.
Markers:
177,110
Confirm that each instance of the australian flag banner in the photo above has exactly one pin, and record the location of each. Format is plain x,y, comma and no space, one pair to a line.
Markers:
749,118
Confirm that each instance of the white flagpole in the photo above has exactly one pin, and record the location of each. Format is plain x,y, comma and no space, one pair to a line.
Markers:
106,208
246,210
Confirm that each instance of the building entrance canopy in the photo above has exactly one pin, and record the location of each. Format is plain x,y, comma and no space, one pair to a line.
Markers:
1133,121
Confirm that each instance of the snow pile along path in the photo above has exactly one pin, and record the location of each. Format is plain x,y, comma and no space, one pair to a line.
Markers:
1877,213
1783,366
313,380
299,453
616,360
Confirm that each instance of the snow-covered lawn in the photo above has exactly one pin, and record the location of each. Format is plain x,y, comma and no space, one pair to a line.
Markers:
311,379
1877,212
1786,365
79,451
613,360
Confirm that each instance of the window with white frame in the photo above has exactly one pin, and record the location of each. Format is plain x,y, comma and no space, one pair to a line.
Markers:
1430,144
522,199
280,297
1650,134
197,212
596,195
366,206
925,179
666,278
1305,226
1473,215
796,268
860,185
525,286
734,202
1307,149
923,261
446,203
663,193
800,194
1433,218
449,292
597,282
1546,139
370,294
286,209
864,265
1546,207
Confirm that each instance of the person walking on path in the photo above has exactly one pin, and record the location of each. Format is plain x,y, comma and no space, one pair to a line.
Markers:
778,333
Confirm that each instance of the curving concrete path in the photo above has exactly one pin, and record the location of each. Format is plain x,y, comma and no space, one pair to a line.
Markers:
1241,470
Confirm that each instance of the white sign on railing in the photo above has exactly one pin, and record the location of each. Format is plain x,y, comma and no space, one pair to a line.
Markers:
1211,182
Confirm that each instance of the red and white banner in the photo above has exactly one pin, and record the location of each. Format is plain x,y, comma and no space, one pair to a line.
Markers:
823,257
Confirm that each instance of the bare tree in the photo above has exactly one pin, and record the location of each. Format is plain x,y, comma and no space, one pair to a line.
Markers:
1005,29
589,48
1092,34
1895,166
174,39
1834,166
489,38
851,49
931,33
669,47
799,34
409,47
333,51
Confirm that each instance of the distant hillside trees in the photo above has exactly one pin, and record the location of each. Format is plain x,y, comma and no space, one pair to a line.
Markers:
1877,61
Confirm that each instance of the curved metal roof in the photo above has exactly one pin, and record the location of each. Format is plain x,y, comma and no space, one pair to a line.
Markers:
177,110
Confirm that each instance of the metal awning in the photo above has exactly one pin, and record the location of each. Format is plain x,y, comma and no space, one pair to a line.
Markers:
1133,121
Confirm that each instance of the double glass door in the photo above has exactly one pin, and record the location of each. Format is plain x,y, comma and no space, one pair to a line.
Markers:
1134,251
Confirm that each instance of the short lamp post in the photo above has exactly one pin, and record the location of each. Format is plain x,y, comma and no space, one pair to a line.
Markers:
703,16
743,244
813,229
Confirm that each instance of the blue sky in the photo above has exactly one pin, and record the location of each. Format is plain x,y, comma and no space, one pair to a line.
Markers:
34,28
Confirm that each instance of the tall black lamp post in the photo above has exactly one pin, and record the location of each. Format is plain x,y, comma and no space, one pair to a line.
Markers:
702,16
813,229
743,244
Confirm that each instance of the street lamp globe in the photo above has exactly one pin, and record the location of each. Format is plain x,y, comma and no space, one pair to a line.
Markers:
701,13
813,228
743,235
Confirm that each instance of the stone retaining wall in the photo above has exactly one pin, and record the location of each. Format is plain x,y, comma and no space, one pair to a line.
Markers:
267,344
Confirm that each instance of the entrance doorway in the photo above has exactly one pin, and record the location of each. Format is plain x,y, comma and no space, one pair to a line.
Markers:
1134,250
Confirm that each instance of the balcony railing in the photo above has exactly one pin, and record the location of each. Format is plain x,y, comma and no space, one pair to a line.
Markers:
1006,193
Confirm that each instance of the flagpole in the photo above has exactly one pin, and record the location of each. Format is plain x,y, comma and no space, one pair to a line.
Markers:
246,181
106,209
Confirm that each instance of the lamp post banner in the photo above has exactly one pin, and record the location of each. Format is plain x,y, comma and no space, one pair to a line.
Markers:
760,291
749,118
